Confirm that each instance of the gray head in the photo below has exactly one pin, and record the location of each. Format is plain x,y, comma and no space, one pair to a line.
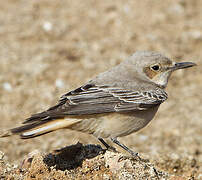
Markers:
154,66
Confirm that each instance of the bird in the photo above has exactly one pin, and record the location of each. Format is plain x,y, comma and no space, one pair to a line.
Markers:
113,104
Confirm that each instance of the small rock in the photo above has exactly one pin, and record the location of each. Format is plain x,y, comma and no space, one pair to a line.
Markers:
47,26
59,83
7,86
196,34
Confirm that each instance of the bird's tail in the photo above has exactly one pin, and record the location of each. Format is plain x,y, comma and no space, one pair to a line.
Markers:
39,127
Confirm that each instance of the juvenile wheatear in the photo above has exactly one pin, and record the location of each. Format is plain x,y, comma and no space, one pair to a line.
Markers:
115,103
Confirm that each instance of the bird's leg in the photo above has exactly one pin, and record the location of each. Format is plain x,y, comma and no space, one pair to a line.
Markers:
107,145
134,154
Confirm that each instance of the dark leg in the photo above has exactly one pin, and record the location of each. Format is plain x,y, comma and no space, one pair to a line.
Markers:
106,145
114,140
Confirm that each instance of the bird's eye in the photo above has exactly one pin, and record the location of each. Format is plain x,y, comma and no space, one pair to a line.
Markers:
155,67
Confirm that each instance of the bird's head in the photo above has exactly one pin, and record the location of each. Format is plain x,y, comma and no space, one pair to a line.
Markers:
157,68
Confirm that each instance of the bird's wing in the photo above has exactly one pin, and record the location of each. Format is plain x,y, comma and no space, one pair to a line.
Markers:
87,100
92,99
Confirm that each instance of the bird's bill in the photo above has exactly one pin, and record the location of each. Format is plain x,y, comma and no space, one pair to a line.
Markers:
183,65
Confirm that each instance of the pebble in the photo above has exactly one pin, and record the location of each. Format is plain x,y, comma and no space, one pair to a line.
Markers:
196,34
59,83
47,26
7,86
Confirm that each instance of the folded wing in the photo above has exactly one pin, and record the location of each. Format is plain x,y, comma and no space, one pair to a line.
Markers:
87,100
91,99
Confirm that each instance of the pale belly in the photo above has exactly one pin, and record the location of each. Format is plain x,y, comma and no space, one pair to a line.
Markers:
115,124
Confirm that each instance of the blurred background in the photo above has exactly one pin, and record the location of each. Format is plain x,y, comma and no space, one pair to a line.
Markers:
50,47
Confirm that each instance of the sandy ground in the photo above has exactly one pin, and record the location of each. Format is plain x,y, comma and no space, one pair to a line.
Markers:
50,47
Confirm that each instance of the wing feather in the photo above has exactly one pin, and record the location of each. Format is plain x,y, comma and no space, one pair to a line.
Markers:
91,99
102,99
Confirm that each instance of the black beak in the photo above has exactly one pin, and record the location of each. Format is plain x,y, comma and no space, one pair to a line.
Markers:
183,65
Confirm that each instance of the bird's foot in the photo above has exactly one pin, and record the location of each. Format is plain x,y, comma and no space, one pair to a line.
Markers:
134,154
